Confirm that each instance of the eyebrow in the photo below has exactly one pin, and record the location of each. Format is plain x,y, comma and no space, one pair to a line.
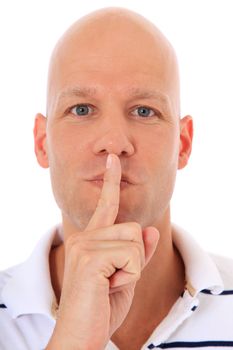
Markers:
150,93
79,91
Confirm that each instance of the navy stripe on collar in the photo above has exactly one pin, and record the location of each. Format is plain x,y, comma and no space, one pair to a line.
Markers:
2,306
200,344
225,292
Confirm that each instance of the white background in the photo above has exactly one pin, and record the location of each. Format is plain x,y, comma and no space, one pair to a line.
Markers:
201,32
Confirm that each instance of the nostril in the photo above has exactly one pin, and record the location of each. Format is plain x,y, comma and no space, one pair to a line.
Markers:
117,143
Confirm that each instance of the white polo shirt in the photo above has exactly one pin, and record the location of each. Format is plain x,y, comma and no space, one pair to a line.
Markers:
202,317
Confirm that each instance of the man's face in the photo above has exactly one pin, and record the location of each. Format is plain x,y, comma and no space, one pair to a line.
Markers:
110,99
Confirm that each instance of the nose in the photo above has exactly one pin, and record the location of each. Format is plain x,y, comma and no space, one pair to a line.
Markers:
114,140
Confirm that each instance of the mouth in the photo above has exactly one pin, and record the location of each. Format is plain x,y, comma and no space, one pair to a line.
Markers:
99,183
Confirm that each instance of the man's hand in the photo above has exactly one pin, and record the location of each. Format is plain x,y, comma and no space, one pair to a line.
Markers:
102,266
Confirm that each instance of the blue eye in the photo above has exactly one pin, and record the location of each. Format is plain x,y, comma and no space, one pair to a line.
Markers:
81,110
144,112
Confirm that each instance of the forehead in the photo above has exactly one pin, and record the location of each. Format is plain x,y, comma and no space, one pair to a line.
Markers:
91,75
97,60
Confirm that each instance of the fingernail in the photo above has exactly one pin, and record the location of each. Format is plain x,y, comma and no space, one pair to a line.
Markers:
109,161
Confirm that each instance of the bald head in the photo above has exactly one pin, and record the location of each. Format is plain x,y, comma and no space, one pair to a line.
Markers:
113,87
117,41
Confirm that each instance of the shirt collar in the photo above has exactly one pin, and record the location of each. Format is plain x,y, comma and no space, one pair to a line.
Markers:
200,270
28,289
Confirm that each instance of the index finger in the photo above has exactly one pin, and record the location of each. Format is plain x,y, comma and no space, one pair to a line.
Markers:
108,204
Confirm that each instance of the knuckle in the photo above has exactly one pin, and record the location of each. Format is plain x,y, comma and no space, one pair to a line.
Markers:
69,243
136,249
92,263
136,227
138,252
72,241
75,249
85,258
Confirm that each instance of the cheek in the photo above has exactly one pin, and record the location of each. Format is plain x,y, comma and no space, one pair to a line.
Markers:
66,146
161,149
66,155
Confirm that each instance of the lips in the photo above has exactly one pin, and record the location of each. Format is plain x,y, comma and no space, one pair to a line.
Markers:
99,183
100,178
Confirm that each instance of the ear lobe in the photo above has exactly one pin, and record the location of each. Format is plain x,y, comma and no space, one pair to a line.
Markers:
40,142
186,137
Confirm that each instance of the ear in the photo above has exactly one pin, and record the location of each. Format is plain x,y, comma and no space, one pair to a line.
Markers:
186,137
40,141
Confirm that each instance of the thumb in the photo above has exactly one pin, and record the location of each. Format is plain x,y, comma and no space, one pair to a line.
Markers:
150,237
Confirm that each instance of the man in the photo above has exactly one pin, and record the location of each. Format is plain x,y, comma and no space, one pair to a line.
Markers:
116,274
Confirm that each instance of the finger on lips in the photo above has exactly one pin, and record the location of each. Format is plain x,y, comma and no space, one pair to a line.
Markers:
108,204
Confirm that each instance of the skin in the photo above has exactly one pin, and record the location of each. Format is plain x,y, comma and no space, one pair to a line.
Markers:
131,64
